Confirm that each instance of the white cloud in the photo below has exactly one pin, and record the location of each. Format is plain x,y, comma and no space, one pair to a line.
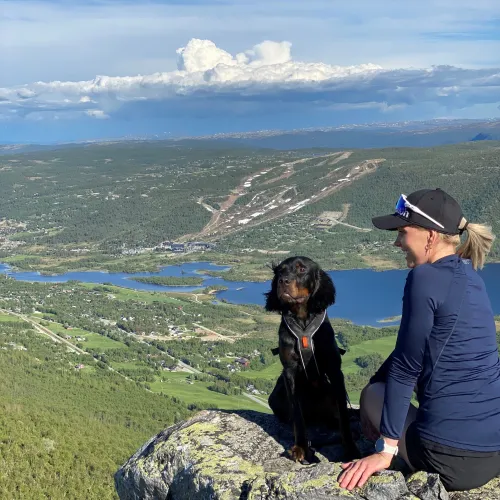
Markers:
96,113
202,67
267,71
202,55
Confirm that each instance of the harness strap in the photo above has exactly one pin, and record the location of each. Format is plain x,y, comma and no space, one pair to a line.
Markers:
305,341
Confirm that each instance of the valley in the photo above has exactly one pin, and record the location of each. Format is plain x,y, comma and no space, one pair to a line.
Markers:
91,371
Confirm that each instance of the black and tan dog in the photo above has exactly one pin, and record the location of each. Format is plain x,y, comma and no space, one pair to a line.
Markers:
311,387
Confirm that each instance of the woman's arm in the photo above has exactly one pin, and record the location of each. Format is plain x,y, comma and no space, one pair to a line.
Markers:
403,369
419,306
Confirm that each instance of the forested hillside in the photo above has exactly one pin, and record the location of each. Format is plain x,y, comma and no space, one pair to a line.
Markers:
121,206
65,430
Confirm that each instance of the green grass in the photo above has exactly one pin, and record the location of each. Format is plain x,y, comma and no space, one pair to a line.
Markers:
122,293
271,372
175,385
7,318
93,340
354,397
96,341
384,346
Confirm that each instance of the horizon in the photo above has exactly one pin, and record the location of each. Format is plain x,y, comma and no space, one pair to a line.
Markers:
206,67
248,133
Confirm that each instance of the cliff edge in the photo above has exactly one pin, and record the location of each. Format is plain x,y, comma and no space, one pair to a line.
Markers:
224,455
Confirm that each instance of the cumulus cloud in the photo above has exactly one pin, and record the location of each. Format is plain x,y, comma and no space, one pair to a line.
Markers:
267,71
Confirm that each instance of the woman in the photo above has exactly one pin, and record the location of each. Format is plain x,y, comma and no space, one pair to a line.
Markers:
446,350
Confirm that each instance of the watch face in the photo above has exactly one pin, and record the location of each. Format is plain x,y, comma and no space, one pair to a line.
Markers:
379,445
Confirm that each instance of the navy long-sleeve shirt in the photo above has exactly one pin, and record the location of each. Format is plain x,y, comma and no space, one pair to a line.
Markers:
447,347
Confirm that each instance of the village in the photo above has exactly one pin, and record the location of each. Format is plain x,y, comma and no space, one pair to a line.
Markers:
171,246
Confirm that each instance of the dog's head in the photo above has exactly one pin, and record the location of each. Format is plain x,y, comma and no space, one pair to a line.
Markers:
299,283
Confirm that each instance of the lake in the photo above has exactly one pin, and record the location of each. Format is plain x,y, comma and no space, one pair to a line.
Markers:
364,296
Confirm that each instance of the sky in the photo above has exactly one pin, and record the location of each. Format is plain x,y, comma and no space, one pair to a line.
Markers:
73,70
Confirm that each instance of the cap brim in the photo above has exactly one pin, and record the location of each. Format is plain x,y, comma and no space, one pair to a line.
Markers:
390,222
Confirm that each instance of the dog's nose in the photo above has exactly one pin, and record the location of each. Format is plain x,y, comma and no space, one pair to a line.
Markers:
286,281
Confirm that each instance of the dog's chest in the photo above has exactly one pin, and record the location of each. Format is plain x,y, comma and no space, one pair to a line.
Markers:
304,341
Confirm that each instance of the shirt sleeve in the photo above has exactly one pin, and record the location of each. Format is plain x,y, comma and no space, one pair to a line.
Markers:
419,306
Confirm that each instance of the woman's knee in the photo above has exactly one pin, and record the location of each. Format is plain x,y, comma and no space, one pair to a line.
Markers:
371,402
372,395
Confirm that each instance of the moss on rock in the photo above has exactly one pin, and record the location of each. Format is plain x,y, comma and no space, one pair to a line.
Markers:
219,455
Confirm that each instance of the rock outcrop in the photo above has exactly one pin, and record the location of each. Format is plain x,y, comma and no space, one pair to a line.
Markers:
218,455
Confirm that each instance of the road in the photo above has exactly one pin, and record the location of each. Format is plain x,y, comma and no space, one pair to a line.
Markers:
186,367
218,335
257,400
59,340
47,332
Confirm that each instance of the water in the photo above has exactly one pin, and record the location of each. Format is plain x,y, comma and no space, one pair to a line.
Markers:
364,296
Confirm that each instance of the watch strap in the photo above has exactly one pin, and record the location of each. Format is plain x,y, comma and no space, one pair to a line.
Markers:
382,447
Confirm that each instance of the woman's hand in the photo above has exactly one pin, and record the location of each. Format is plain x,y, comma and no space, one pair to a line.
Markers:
357,473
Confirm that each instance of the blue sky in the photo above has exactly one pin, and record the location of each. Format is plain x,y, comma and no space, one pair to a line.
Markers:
74,70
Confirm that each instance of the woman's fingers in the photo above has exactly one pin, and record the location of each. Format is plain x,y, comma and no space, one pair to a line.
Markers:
345,477
365,476
357,473
355,477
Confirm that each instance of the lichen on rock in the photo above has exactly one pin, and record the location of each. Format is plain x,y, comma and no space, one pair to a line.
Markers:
222,455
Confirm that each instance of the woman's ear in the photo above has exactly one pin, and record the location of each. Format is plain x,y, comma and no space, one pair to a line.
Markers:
324,294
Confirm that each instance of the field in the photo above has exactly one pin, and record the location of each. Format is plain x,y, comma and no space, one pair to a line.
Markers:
8,318
383,346
176,385
92,340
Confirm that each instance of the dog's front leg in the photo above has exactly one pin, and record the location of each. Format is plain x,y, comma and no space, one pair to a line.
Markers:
300,450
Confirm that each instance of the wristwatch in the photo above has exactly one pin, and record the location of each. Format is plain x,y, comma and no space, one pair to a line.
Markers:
382,447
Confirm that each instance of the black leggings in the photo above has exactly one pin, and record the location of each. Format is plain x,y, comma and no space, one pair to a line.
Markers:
459,470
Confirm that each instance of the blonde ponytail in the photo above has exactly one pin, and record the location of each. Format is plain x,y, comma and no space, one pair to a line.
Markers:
477,244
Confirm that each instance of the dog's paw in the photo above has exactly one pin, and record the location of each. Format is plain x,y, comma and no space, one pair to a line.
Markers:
297,453
310,458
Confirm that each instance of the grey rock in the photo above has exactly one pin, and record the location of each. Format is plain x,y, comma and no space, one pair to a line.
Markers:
218,455
387,485
490,491
427,486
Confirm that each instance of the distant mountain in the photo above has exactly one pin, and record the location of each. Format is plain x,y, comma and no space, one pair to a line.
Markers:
483,137
428,133
12,149
377,135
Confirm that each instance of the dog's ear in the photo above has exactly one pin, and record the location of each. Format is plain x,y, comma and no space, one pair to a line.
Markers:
272,302
324,292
